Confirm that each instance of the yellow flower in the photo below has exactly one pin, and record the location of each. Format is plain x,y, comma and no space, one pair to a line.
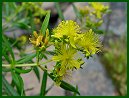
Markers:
67,28
66,55
89,41
99,8
38,40
67,61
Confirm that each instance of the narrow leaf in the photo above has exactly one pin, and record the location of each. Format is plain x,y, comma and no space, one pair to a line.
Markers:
21,85
45,23
69,87
65,85
6,57
22,70
43,86
18,81
98,31
58,8
26,58
8,46
36,71
50,52
8,88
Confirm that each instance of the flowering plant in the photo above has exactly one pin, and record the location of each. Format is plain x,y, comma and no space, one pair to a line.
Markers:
68,38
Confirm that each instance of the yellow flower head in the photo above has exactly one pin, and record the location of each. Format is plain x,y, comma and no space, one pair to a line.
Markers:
89,41
66,57
99,9
68,28
38,40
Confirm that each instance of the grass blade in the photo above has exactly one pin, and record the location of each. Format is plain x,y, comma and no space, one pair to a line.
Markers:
59,11
43,86
45,23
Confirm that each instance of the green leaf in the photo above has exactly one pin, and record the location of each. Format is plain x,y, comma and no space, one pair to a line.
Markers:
43,56
65,85
8,46
8,88
68,87
22,85
21,25
50,52
58,8
78,15
26,58
43,86
6,57
22,70
98,31
45,23
18,81
36,71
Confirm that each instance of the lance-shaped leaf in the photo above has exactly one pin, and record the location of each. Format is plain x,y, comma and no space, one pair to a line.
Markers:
36,71
8,46
18,81
45,23
43,86
8,88
66,85
22,70
26,58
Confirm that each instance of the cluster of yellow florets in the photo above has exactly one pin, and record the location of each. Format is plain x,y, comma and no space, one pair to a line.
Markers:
98,9
39,41
66,58
92,15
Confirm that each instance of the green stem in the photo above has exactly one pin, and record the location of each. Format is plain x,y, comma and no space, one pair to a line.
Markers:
26,65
